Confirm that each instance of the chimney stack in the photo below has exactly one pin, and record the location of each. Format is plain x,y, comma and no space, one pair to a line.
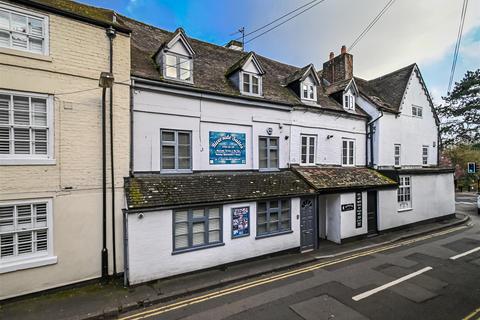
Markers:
235,45
338,68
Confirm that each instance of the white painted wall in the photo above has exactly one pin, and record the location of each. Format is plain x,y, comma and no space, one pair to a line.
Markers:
348,227
321,125
432,196
410,132
150,244
332,202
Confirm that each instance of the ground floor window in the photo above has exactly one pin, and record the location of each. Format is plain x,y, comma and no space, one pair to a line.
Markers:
273,217
404,193
24,230
198,227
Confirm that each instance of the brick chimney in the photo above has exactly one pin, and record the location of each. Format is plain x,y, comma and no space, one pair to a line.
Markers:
338,68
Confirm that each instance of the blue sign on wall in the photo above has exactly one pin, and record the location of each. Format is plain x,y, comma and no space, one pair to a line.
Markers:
227,148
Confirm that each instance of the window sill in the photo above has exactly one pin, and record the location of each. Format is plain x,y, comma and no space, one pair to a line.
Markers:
273,234
404,210
26,54
28,162
268,169
17,265
208,246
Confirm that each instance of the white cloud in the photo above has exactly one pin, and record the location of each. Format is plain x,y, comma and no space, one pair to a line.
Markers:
411,31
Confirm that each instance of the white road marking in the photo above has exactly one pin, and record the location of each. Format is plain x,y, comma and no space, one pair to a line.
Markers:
465,253
390,284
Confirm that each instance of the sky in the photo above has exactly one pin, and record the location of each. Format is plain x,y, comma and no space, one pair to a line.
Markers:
423,31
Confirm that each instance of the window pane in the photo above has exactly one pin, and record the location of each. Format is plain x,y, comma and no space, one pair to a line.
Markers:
184,138
40,143
285,225
36,27
261,229
6,218
39,108
4,39
198,239
21,110
246,82
24,242
273,226
6,245
24,216
41,244
171,72
305,91
198,213
19,41
19,23
261,218
170,60
262,207
4,20
273,158
213,213
255,84
181,242
274,217
181,216
36,45
22,141
214,236
312,90
168,136
214,224
273,204
4,141
181,228
41,215
184,163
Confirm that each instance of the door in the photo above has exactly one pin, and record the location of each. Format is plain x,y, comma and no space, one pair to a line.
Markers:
372,212
307,223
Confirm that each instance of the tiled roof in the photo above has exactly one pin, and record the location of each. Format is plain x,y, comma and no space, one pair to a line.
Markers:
387,91
212,63
78,10
328,179
157,191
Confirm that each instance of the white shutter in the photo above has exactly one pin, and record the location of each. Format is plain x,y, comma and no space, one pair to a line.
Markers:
22,141
35,27
4,108
40,142
40,215
24,242
24,216
41,240
6,245
21,111
6,218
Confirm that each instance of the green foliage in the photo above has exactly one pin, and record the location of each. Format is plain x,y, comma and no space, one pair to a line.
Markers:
460,156
460,116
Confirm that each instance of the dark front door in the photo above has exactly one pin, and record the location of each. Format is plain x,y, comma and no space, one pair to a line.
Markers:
372,212
307,223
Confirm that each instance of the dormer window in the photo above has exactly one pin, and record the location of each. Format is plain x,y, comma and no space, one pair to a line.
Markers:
251,84
178,67
175,58
349,101
309,92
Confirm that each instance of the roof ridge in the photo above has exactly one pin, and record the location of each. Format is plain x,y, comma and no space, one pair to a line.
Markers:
393,72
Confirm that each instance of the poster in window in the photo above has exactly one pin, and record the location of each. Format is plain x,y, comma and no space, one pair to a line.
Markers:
240,222
227,148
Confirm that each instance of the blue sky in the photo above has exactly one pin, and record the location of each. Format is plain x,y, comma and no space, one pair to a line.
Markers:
411,31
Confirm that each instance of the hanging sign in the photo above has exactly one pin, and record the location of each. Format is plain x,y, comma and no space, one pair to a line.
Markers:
358,209
240,222
348,207
227,148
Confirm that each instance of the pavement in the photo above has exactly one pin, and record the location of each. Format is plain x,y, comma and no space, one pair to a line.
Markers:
97,301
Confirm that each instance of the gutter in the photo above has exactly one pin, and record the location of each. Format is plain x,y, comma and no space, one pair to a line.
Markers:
72,15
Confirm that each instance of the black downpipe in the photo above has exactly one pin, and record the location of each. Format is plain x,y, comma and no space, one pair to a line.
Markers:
104,189
370,136
111,35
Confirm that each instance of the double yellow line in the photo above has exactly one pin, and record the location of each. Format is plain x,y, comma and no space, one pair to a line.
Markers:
252,284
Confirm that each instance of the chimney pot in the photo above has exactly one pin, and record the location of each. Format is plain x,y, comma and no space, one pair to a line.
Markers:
343,50
332,55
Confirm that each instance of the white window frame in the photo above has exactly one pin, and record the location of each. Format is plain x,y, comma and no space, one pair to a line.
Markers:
310,89
351,154
348,101
37,259
397,157
30,159
35,15
425,155
417,111
307,146
404,193
269,148
178,67
250,84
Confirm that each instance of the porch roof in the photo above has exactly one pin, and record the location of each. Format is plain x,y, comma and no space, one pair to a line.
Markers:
335,179
155,191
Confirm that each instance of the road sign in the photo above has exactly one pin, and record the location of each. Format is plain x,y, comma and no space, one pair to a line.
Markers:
471,167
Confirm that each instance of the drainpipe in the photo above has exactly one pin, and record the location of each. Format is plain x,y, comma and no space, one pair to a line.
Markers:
104,189
111,33
370,126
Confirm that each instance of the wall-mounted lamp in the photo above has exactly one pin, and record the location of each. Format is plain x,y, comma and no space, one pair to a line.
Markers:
286,137
330,136
269,131
106,80
140,216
